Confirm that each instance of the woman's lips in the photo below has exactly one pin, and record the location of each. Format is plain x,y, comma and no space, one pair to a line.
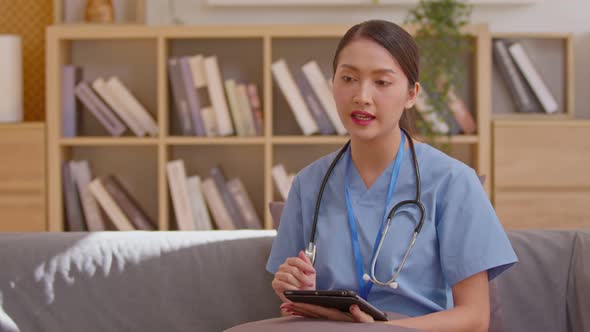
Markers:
362,118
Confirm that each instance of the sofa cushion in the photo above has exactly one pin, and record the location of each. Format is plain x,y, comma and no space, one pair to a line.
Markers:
534,291
134,281
578,288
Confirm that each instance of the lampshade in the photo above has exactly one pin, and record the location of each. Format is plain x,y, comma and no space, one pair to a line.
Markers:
11,79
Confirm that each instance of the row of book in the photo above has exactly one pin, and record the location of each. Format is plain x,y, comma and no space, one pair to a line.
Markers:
85,196
109,101
200,203
309,96
527,88
201,97
457,120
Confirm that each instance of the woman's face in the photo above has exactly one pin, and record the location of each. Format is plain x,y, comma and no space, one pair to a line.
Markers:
370,90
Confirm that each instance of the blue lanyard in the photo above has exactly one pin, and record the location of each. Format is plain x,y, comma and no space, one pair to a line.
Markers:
365,287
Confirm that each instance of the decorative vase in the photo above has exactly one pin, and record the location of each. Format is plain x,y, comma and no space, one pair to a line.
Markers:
11,79
99,11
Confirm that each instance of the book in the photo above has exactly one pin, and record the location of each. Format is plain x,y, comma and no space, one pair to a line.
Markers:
532,76
194,104
433,119
519,91
109,206
200,213
281,180
217,96
83,175
461,113
216,205
254,100
99,85
318,82
316,109
71,75
72,205
245,206
99,109
238,191
292,94
130,207
180,99
234,106
139,111
176,173
248,116
229,202
197,65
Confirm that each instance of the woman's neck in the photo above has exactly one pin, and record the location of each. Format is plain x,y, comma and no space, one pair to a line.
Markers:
372,157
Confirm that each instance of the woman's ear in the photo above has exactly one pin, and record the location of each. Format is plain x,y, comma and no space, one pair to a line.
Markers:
412,95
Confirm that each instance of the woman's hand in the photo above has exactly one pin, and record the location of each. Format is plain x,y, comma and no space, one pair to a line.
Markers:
355,314
297,273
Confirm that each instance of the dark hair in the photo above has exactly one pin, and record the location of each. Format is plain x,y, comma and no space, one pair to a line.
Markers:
401,46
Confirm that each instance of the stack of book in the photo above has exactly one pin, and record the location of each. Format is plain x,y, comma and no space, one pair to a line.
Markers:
193,198
199,93
459,121
309,95
109,101
527,89
83,196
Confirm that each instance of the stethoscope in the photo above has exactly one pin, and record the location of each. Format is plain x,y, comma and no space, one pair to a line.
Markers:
310,252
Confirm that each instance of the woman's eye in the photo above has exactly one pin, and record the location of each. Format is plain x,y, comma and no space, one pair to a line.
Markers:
383,83
347,78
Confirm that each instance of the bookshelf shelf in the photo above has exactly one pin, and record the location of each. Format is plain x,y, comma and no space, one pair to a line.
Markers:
106,141
139,56
296,140
215,141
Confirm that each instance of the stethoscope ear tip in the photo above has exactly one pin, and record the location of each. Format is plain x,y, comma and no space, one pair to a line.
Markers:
366,277
394,285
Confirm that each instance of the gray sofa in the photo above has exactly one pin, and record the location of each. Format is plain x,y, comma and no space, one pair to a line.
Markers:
210,281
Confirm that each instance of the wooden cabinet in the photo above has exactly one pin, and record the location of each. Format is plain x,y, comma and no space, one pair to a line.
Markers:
22,177
541,173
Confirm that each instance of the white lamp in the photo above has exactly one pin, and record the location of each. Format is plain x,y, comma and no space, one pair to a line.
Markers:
11,79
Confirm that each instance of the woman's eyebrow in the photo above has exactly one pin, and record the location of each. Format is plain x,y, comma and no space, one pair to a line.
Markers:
381,70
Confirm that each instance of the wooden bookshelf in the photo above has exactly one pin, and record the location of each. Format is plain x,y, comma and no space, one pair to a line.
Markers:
551,54
138,54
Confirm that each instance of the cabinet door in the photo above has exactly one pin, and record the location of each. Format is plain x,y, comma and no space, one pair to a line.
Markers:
542,155
542,173
22,178
548,209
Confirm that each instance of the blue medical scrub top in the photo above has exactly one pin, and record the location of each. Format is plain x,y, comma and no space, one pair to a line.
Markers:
461,235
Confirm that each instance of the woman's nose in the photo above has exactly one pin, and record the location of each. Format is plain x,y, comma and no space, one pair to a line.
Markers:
362,95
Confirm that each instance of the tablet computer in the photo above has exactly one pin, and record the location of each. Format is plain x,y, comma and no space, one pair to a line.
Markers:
338,299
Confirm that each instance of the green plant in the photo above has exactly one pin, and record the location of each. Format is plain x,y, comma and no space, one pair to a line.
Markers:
442,44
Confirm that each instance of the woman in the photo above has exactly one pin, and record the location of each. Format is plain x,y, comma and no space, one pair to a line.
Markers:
444,283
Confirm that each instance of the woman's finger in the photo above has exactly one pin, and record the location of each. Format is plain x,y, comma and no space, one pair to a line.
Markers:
288,278
360,316
303,279
304,266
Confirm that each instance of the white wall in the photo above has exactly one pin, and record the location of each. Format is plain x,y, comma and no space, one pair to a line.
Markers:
545,16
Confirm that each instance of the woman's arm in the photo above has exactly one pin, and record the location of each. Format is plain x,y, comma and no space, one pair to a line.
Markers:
471,312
